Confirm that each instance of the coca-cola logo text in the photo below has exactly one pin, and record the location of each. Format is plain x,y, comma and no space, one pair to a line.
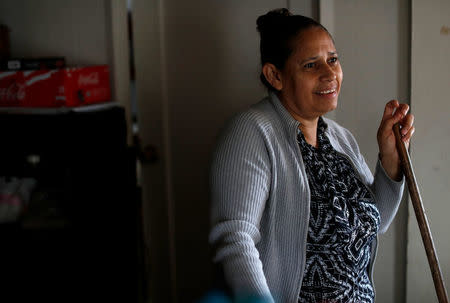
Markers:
12,92
90,79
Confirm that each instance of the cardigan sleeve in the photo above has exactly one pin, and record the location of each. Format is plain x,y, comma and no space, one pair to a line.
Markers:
388,195
239,187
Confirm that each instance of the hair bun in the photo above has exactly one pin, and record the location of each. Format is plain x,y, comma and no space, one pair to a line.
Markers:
279,12
272,18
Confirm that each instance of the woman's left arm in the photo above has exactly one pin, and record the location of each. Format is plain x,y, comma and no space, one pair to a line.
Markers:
394,112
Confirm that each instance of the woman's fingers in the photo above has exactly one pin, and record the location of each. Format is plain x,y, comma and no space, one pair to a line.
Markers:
390,116
389,109
407,124
409,134
402,109
394,112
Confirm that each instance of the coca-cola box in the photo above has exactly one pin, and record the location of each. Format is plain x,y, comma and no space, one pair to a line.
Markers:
55,88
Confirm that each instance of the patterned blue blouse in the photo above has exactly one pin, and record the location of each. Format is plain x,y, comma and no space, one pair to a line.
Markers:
343,222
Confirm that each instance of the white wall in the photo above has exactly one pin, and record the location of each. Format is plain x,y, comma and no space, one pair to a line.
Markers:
372,38
430,103
75,29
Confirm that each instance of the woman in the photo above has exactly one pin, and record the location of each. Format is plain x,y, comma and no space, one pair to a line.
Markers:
295,209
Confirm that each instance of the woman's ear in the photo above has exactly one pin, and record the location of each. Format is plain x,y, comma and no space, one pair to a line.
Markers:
273,75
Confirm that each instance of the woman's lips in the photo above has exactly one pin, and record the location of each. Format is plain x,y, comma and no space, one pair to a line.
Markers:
330,93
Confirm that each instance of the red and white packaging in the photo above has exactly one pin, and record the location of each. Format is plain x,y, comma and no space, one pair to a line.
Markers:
55,88
86,85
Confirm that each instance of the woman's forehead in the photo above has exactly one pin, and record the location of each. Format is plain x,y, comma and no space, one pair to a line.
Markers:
314,40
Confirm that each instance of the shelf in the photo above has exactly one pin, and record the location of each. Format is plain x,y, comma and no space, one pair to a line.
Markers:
57,110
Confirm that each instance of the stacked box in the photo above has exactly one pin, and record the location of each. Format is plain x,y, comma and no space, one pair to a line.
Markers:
55,88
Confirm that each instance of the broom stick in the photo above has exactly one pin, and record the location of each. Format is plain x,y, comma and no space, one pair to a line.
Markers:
422,221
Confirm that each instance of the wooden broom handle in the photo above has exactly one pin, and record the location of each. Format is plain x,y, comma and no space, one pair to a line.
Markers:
422,221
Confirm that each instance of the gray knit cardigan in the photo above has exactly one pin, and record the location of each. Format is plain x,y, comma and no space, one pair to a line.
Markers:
260,200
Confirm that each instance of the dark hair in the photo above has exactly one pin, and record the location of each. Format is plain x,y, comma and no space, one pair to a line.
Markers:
278,28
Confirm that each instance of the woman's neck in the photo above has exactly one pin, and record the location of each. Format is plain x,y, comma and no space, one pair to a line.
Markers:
309,130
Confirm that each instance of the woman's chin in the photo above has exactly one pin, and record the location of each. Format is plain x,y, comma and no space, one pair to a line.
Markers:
331,106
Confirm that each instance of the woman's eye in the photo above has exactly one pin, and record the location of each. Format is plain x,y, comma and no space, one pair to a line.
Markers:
309,65
333,60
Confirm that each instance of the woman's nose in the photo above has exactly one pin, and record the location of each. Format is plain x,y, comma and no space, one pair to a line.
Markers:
328,74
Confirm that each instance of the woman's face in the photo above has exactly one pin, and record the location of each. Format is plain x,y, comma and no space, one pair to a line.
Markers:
311,78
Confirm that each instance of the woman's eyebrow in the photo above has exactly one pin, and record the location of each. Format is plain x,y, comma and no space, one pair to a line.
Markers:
308,59
315,57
